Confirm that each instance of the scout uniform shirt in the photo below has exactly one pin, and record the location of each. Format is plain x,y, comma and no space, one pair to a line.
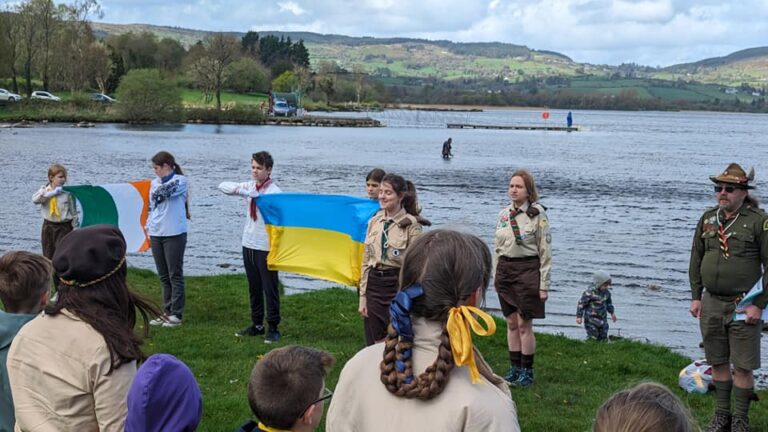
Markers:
65,211
386,241
534,237
746,244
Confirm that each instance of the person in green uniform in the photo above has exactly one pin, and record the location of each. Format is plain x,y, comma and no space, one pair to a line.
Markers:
728,257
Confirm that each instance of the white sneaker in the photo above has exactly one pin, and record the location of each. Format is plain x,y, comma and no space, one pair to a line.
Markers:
172,321
158,321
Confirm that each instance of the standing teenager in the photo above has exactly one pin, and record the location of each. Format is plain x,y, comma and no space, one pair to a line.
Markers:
524,257
390,231
262,282
167,229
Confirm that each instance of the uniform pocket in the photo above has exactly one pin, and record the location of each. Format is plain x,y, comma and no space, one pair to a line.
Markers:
741,241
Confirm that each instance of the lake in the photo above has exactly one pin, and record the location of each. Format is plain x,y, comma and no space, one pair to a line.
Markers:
623,195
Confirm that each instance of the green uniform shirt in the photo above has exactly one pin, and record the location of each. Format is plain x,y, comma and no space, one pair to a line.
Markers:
748,255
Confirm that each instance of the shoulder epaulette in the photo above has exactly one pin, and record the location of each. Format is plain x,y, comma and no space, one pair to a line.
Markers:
534,209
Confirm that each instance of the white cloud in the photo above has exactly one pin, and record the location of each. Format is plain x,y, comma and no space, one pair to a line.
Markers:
291,7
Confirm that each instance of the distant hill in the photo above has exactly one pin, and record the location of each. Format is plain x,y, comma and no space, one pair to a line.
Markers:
402,57
421,58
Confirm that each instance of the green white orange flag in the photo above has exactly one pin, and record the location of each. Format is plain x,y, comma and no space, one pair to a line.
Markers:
125,205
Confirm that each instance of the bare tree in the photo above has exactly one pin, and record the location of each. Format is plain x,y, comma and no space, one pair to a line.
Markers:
9,31
48,19
30,39
76,40
220,51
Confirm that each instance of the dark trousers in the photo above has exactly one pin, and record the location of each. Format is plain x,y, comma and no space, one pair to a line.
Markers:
52,234
168,253
381,290
262,283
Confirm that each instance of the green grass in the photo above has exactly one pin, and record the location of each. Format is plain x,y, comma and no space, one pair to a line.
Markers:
572,377
191,97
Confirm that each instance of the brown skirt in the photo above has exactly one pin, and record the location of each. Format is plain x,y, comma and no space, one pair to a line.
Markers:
517,281
380,291
52,234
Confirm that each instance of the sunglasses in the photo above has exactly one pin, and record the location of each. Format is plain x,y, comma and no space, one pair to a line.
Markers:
729,189
327,393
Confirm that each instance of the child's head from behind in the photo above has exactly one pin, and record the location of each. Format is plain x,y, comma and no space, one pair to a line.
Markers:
452,269
25,280
286,387
601,280
450,266
57,175
647,407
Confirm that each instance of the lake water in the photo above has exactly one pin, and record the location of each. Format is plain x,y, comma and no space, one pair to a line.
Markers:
624,194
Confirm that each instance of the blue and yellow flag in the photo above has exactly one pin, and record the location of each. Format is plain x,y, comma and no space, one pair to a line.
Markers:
317,235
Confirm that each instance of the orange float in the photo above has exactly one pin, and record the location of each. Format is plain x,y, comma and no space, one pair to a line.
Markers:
545,115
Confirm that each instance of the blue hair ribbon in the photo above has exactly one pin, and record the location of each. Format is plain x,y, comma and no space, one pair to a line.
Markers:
400,312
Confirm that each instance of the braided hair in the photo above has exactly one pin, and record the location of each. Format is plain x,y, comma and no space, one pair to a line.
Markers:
448,267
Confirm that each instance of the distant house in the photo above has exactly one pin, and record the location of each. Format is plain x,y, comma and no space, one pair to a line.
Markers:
731,91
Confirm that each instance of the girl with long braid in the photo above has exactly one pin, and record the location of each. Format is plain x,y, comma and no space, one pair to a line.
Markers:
431,376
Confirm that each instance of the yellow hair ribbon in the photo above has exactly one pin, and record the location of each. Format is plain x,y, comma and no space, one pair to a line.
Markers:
53,207
460,319
266,428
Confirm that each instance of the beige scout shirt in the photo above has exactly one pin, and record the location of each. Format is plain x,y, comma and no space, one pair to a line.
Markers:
362,403
65,203
537,240
58,368
386,247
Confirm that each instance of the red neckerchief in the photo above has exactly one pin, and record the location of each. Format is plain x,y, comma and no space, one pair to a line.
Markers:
259,188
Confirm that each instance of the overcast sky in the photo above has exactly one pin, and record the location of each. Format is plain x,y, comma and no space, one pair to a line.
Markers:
648,32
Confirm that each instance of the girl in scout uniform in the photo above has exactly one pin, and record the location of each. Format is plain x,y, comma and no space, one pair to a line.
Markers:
57,208
428,375
523,256
390,231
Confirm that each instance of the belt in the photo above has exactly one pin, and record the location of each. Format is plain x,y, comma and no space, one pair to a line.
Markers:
385,271
64,222
728,298
518,259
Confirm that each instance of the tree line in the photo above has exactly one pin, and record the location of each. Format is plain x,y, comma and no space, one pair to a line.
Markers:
54,44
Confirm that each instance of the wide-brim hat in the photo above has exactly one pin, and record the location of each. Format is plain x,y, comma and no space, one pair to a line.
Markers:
735,175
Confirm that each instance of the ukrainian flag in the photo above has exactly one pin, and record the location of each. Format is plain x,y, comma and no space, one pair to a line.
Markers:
317,235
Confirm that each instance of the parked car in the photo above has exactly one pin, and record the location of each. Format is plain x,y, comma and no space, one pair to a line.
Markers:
282,108
6,96
45,96
101,97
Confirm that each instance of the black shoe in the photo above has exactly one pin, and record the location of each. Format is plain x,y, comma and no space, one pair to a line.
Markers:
272,336
251,330
721,422
739,424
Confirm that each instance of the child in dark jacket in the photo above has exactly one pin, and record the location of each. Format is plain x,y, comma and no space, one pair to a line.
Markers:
595,305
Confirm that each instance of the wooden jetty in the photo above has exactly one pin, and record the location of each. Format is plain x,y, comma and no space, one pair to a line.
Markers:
319,121
513,127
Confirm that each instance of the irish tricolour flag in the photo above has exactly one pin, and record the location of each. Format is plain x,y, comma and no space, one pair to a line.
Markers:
124,205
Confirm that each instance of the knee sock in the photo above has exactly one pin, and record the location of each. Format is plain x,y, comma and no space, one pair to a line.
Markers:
742,397
526,361
514,358
723,395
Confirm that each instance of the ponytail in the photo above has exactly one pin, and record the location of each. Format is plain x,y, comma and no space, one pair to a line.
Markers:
407,190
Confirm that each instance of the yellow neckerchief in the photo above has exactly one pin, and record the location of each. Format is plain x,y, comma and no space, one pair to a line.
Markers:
266,428
53,206
459,321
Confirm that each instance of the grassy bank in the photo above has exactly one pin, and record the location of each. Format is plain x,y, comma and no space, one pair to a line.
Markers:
573,377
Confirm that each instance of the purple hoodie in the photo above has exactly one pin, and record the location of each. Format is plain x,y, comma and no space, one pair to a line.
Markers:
164,396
